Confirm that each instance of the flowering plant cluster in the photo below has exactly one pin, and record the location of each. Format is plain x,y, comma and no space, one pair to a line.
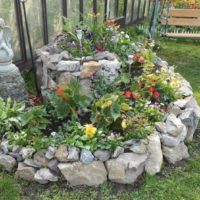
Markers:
88,36
113,114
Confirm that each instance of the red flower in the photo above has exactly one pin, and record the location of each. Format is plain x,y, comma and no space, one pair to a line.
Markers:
59,91
100,48
152,89
156,94
141,59
128,94
135,58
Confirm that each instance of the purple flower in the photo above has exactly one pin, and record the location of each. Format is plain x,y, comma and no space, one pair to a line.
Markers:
116,133
85,29
73,44
89,36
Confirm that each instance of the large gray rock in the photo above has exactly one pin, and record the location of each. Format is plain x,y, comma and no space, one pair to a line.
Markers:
105,55
119,150
53,166
25,172
187,117
7,162
31,163
182,103
110,69
55,58
176,154
27,152
126,168
73,154
174,109
50,153
174,126
17,156
171,141
102,155
139,148
86,156
40,158
86,87
155,159
192,103
185,90
44,175
77,173
4,146
65,78
62,153
161,127
68,66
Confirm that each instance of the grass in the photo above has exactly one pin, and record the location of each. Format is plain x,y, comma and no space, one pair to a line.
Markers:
181,182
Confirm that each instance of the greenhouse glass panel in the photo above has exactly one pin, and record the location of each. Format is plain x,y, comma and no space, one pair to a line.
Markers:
111,11
54,19
101,9
73,10
121,8
146,8
87,7
142,2
135,11
128,11
7,12
34,17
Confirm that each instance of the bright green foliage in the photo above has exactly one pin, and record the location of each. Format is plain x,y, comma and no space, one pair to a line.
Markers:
107,111
67,100
35,119
31,123
9,114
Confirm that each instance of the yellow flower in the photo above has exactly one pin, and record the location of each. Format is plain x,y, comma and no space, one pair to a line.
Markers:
107,104
98,14
125,107
90,130
124,124
91,14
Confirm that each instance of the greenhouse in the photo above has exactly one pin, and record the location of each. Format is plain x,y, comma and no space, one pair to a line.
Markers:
99,99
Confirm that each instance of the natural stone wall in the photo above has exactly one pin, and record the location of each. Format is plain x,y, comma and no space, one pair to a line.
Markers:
55,67
126,163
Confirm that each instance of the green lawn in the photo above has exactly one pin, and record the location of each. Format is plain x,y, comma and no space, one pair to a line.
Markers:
173,183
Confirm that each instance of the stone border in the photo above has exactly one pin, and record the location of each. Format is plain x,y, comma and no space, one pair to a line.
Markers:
126,164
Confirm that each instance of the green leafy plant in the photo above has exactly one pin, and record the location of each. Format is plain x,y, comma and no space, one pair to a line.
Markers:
35,119
108,110
67,101
9,114
87,137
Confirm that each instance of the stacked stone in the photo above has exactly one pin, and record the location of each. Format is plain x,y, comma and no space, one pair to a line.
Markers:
125,164
81,166
54,68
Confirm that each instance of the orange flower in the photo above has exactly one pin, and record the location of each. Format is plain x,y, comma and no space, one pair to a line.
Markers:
59,91
141,59
151,89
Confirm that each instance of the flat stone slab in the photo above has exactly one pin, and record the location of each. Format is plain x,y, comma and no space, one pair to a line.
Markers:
77,173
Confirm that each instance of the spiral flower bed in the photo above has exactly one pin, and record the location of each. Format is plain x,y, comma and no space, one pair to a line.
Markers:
125,164
106,116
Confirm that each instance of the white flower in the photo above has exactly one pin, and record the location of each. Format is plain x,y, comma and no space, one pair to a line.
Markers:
127,36
122,32
79,34
53,134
